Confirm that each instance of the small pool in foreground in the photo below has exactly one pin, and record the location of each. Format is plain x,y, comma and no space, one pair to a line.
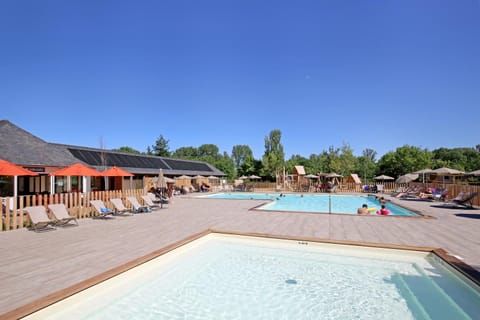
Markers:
237,277
341,204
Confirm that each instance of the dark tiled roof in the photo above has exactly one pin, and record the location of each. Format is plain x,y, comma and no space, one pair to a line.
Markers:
23,148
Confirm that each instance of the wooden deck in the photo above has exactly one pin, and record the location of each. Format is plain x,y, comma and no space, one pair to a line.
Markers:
33,265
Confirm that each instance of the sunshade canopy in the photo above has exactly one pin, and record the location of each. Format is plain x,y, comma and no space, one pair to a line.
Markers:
311,176
406,178
254,177
333,175
116,172
474,173
77,169
183,177
10,169
384,177
243,177
447,172
424,171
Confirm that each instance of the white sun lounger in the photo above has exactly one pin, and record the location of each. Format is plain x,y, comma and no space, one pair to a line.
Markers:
120,209
101,209
39,217
61,215
137,207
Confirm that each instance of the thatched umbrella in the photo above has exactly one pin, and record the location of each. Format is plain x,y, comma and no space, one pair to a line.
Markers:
407,178
443,172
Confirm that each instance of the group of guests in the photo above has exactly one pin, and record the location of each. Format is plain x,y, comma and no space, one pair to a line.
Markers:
364,210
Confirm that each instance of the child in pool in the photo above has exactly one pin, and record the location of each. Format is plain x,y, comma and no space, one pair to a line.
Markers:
384,211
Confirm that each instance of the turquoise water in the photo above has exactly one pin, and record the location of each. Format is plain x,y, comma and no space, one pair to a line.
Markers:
235,278
342,204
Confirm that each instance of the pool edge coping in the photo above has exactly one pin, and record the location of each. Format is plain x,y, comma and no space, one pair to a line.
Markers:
465,269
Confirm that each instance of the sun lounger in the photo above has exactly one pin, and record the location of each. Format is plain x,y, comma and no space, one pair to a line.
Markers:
155,199
120,209
137,207
102,210
61,215
150,203
39,217
465,199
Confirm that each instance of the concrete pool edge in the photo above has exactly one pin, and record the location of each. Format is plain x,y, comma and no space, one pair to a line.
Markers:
39,304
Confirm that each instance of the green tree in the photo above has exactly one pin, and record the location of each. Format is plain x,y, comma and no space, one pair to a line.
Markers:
161,148
274,156
240,153
250,166
225,164
366,166
190,153
347,160
127,149
405,159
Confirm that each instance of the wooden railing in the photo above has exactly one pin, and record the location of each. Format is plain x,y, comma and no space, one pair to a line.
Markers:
78,204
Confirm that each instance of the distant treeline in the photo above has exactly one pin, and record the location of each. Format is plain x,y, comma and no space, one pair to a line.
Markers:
240,161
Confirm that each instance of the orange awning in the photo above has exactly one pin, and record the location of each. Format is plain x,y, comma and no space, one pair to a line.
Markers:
116,172
77,169
10,169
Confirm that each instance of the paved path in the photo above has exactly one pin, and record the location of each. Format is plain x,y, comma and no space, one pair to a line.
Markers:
33,265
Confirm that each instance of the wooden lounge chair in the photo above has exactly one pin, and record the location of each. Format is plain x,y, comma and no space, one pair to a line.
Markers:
137,207
61,215
120,209
102,210
39,217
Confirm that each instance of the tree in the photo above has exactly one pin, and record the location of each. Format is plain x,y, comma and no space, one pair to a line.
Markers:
190,153
365,165
240,153
250,166
405,159
208,150
274,157
160,148
127,149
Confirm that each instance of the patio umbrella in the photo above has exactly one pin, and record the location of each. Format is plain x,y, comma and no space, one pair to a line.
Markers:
423,172
443,172
311,176
78,170
333,175
11,170
407,178
116,172
183,177
198,177
242,177
161,183
254,177
384,177
213,178
475,173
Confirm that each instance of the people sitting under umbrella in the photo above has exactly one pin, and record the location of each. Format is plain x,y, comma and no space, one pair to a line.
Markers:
204,187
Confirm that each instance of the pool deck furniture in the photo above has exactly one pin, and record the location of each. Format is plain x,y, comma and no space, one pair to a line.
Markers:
62,217
101,208
39,217
119,208
28,261
465,200
148,201
137,207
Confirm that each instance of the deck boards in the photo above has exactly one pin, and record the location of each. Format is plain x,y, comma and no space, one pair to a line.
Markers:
33,265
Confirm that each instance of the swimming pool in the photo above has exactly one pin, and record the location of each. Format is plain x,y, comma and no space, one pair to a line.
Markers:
238,277
341,204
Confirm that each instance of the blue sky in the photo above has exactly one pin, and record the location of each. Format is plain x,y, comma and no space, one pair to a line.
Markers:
373,74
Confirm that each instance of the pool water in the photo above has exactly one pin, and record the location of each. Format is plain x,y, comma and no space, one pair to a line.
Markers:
232,277
342,204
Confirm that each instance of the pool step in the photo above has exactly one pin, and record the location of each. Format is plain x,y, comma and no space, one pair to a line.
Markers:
427,299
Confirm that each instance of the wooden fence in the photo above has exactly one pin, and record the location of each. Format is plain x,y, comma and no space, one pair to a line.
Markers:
78,204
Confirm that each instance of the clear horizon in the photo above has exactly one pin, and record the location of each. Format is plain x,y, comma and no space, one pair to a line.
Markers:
375,75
